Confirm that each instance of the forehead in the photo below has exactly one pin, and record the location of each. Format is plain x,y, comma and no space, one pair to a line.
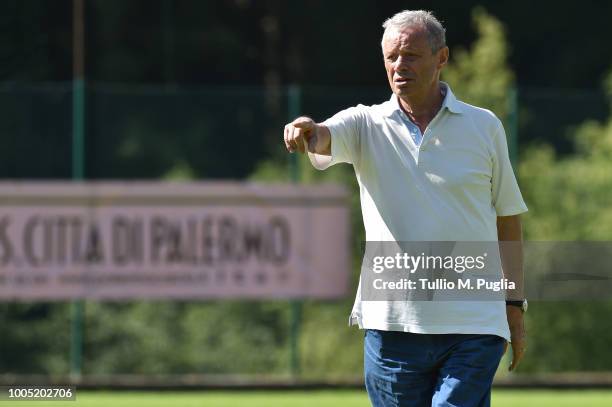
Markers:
413,37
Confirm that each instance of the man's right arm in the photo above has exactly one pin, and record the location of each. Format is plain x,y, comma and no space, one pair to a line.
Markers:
303,134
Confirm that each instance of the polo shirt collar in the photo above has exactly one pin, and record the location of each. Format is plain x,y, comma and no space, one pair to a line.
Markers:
450,102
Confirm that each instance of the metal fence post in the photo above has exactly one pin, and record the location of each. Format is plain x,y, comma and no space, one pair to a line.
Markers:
513,126
294,108
78,165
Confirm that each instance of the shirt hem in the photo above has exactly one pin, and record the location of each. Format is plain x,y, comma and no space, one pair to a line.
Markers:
513,210
428,329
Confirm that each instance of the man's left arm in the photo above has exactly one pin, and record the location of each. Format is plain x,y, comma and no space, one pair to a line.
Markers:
510,236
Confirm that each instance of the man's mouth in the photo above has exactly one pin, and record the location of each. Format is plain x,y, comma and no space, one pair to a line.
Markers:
403,80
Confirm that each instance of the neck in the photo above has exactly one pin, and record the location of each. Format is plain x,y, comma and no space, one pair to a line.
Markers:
423,107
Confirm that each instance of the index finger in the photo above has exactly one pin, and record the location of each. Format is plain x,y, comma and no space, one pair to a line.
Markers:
303,122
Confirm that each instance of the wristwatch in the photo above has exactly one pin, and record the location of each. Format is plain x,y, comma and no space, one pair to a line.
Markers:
522,304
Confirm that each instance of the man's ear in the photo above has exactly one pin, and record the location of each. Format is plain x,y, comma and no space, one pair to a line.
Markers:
443,57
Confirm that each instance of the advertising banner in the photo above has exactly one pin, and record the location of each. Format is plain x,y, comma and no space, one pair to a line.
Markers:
126,240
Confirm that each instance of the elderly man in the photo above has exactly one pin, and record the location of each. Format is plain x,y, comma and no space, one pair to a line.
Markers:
430,168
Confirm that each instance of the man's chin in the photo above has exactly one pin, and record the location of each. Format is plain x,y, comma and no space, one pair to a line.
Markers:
404,91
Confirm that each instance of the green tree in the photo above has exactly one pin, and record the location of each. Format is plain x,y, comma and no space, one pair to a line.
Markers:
569,199
481,76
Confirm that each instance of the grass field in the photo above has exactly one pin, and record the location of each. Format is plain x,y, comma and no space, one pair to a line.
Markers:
339,398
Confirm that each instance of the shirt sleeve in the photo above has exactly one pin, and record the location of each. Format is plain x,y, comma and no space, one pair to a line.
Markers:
345,129
506,195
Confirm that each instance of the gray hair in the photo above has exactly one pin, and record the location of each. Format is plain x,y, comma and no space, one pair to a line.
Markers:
436,33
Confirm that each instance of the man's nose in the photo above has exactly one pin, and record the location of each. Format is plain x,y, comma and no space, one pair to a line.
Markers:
401,63
402,67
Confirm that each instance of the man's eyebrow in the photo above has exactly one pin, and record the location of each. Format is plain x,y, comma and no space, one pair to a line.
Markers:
409,46
409,50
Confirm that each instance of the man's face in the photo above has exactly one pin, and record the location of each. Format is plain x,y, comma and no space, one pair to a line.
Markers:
412,68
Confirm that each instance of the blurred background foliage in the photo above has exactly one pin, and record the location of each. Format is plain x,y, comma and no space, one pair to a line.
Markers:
207,98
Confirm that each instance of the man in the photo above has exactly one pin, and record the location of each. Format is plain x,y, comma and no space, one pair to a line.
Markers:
430,168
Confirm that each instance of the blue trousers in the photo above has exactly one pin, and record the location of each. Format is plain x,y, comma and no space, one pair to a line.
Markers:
418,370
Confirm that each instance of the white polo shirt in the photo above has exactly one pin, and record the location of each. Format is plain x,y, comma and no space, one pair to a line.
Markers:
451,187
